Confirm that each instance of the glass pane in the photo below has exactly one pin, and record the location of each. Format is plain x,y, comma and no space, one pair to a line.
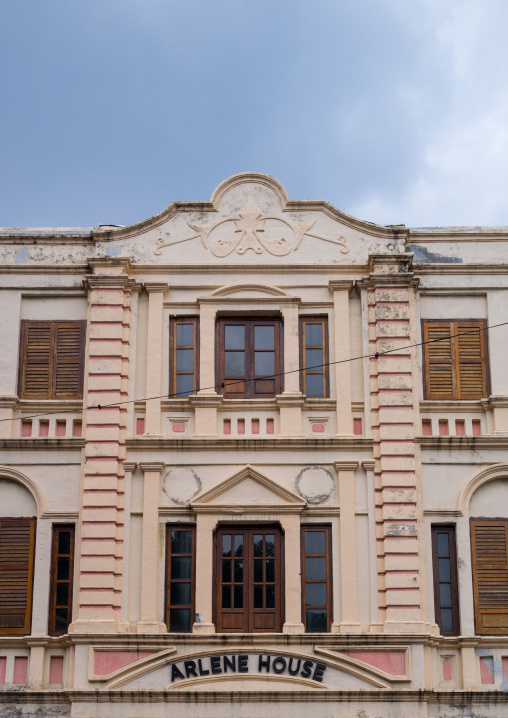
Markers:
226,545
234,337
446,620
270,571
258,545
226,571
315,594
181,541
264,363
315,542
62,594
184,384
62,572
181,566
316,621
61,619
315,569
445,594
314,385
264,337
313,335
258,571
238,596
180,594
238,571
270,545
270,596
226,597
444,569
64,542
443,547
234,363
313,358
180,620
239,545
258,596
185,359
184,335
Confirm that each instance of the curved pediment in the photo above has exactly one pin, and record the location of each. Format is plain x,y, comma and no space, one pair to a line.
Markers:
243,291
250,490
252,670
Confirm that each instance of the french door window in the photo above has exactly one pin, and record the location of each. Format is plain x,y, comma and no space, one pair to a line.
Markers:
248,580
249,357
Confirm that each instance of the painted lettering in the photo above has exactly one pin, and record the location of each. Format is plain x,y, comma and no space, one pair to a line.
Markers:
190,668
215,664
243,664
176,672
306,672
279,664
294,671
318,672
263,663
202,671
229,663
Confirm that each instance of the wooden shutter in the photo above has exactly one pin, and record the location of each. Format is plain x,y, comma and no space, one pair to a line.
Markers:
470,347
36,360
455,360
52,360
68,362
489,546
17,545
439,371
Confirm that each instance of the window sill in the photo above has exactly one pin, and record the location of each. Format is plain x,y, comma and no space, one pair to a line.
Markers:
454,406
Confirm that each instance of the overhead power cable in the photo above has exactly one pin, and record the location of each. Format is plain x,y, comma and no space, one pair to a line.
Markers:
223,385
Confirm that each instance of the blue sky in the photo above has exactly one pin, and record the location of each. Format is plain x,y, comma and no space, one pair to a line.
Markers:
395,111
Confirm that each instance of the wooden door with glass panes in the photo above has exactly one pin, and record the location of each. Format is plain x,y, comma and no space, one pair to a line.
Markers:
248,580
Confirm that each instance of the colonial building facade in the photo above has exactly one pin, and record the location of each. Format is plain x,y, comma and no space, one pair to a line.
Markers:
253,461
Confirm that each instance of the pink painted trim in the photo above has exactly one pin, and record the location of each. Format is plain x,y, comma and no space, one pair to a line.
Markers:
3,665
391,662
56,670
487,670
20,670
106,662
447,669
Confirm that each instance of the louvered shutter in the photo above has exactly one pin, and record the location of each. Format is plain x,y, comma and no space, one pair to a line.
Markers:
489,546
439,370
68,362
36,360
17,544
470,344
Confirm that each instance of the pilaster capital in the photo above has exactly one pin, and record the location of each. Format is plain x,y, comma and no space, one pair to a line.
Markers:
369,465
345,465
209,401
294,400
152,466
107,266
114,281
340,285
8,402
130,466
153,287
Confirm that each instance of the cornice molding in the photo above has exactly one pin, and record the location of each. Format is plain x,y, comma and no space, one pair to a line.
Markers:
250,444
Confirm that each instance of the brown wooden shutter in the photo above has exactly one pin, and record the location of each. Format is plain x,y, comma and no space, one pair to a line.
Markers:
52,360
489,546
439,369
17,545
36,360
470,347
69,355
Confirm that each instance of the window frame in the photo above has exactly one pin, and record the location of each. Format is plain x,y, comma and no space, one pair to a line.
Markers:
454,359
168,580
450,530
248,610
32,522
174,321
249,378
308,528
303,321
56,529
52,358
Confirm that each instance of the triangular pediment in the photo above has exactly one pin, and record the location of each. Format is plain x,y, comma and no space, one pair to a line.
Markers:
248,489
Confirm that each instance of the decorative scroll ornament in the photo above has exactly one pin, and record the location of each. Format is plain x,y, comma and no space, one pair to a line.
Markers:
249,233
